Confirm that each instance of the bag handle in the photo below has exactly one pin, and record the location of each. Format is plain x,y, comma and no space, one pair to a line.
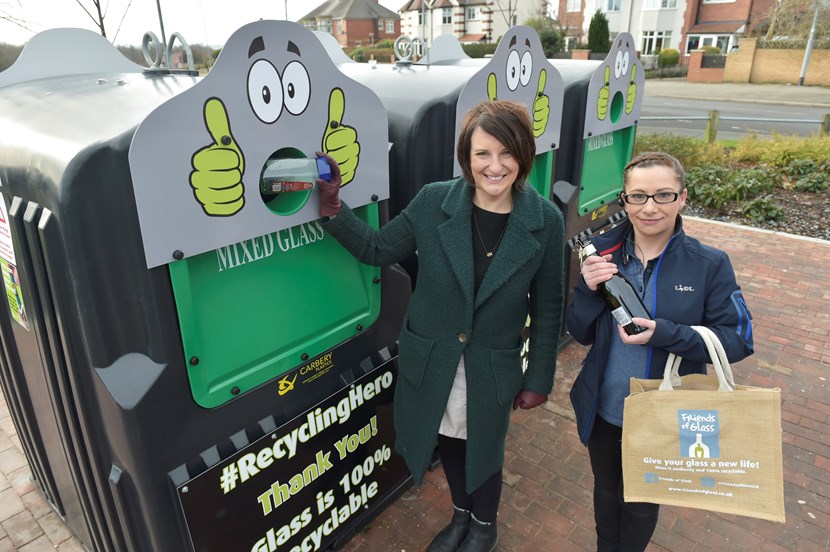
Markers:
726,381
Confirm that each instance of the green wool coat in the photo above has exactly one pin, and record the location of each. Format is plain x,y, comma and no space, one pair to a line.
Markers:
445,320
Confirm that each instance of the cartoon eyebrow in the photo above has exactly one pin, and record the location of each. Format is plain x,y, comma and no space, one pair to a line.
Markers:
257,45
513,41
527,42
293,48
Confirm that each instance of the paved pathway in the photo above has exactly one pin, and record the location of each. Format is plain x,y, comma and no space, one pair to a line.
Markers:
547,499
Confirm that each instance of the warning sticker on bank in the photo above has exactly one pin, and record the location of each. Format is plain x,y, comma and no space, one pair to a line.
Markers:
11,280
6,245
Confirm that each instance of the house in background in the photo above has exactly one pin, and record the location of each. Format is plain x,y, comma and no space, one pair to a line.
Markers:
354,22
469,21
657,24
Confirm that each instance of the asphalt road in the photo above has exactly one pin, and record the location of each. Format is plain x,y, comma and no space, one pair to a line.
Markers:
691,109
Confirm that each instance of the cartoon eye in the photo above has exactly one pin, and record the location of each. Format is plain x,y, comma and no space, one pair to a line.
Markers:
297,87
513,70
526,68
265,91
618,64
625,63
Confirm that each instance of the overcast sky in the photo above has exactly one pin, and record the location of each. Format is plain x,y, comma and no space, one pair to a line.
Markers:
199,21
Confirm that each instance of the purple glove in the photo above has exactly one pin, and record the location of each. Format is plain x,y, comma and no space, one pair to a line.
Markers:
528,399
330,190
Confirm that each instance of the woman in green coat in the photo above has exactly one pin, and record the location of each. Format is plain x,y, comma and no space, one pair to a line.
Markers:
490,254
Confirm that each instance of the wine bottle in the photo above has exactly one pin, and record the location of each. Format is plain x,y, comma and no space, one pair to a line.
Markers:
623,301
293,175
699,449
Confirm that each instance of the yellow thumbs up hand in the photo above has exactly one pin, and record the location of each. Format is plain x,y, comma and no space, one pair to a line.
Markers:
604,94
632,92
491,86
340,141
541,106
216,178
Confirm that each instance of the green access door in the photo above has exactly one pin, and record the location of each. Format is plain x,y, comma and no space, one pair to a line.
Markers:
603,160
253,310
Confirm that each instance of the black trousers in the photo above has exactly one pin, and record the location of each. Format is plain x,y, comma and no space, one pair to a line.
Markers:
482,502
621,526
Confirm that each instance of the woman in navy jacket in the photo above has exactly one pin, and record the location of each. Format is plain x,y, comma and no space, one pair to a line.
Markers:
682,283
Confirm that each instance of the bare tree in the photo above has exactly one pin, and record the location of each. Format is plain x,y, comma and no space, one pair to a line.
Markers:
98,19
7,15
793,19
508,11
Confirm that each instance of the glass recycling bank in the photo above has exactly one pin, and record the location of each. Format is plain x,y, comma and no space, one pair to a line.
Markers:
189,360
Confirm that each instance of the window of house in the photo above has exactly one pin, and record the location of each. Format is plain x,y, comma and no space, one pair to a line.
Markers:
654,41
325,26
693,43
613,5
574,5
473,13
660,4
420,18
390,25
446,16
380,24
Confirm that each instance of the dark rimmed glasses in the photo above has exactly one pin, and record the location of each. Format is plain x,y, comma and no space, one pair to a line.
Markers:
641,199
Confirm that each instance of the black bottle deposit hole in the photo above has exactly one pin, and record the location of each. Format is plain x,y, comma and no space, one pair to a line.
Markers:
283,203
616,107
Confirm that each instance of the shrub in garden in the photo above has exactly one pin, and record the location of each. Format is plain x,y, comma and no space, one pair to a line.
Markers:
762,209
668,57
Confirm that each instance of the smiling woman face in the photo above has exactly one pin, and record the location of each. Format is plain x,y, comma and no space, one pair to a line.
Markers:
494,169
654,221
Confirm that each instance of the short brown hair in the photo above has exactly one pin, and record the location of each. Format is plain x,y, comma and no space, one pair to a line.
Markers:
656,159
509,123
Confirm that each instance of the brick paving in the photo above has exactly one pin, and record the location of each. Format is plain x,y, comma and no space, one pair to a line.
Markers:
546,500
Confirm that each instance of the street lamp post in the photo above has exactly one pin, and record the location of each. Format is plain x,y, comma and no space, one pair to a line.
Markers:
809,49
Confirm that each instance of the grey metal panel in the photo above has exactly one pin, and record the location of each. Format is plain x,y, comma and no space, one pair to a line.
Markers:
272,87
620,79
62,52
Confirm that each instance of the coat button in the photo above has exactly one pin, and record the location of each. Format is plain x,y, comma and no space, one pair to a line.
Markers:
462,337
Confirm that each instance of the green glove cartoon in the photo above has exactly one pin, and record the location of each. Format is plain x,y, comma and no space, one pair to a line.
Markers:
631,96
541,106
216,178
340,141
604,94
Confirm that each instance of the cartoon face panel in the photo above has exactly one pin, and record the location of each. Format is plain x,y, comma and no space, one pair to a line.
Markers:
519,71
197,159
615,92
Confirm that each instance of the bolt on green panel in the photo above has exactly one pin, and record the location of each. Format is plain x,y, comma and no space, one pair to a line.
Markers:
604,158
252,311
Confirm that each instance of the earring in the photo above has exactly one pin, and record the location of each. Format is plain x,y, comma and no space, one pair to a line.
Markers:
620,201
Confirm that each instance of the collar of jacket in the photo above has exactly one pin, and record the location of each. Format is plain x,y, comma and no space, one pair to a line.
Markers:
517,247
613,239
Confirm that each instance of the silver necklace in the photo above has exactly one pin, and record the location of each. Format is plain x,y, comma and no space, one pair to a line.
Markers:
488,253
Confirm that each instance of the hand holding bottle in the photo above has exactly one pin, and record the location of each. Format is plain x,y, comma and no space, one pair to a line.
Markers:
641,338
596,270
330,190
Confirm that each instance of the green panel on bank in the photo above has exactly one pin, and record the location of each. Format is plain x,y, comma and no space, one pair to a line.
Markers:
251,311
604,158
541,172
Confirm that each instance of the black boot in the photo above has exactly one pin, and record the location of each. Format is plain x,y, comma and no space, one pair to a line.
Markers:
481,538
451,536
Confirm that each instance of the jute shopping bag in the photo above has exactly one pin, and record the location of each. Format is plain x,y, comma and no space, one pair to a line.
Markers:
703,442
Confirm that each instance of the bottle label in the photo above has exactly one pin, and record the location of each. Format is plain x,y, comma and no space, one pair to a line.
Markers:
276,186
621,316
